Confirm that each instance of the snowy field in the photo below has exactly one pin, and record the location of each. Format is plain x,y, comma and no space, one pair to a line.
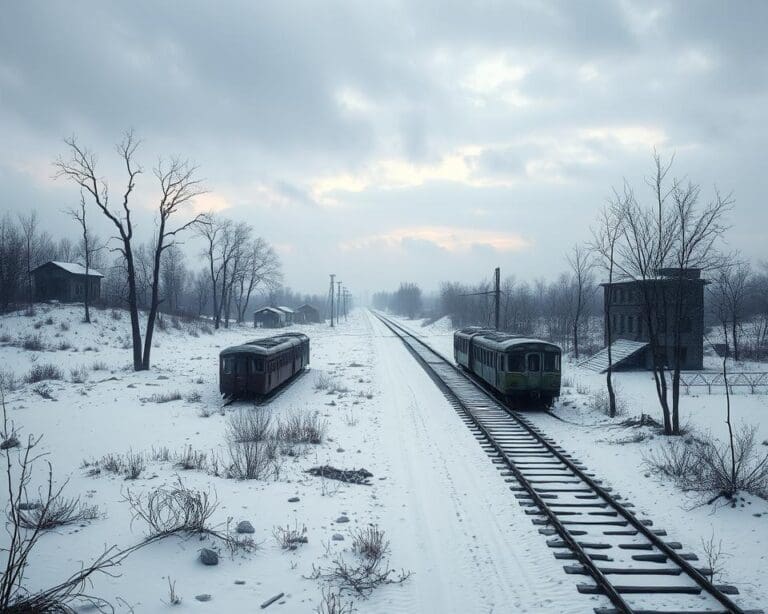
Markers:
446,512
610,450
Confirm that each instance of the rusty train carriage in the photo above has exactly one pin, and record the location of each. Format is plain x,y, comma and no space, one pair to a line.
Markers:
259,367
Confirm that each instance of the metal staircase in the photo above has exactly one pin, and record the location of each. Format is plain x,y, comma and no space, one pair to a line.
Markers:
621,350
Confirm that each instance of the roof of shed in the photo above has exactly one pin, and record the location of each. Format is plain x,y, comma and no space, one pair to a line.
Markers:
279,312
71,267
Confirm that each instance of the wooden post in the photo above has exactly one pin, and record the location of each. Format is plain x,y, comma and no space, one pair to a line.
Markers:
497,294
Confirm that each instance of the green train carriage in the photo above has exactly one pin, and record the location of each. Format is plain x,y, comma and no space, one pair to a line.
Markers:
519,368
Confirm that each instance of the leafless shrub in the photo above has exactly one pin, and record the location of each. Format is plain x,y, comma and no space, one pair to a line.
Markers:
161,323
714,555
566,381
33,343
49,321
582,388
206,329
63,326
706,465
253,460
130,465
333,603
601,402
370,569
5,338
176,324
44,390
173,510
99,365
249,425
324,381
164,397
38,325
116,315
15,598
173,597
370,543
161,455
41,372
290,537
64,345
206,412
193,397
59,511
301,427
350,418
192,459
8,380
134,465
78,375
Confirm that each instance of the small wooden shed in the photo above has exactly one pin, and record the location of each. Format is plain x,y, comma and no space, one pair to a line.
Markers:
269,317
65,282
289,313
307,314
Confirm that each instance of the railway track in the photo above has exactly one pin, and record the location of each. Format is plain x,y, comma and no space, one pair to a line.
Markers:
594,532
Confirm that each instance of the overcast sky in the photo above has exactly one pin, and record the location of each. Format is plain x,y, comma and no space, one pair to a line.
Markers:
390,141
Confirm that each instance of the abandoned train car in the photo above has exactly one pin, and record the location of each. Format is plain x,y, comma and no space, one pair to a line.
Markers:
259,367
518,368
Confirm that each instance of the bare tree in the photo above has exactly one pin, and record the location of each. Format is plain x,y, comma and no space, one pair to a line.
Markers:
605,236
261,270
178,186
671,235
65,250
729,292
174,277
80,168
29,232
11,261
581,268
89,247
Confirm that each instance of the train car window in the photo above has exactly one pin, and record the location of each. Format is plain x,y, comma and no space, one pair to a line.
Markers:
257,365
228,365
534,363
515,363
551,362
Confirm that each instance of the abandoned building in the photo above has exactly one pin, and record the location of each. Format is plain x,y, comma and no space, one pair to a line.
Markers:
289,313
307,314
65,282
269,317
631,342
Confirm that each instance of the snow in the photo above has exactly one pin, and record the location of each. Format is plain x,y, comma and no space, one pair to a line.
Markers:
76,269
447,513
601,444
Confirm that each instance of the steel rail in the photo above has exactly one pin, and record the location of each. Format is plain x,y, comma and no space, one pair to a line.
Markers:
590,566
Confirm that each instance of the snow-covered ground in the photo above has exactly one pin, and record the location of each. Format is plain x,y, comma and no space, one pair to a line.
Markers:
606,447
447,513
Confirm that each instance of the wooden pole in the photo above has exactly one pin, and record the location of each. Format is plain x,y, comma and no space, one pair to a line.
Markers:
332,276
497,295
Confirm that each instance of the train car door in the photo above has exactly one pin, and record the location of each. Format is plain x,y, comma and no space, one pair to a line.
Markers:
533,369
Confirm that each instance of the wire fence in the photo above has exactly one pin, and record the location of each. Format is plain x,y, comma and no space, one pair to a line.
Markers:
754,381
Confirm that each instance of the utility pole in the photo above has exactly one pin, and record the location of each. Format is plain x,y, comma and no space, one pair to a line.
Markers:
497,294
338,300
345,304
331,292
